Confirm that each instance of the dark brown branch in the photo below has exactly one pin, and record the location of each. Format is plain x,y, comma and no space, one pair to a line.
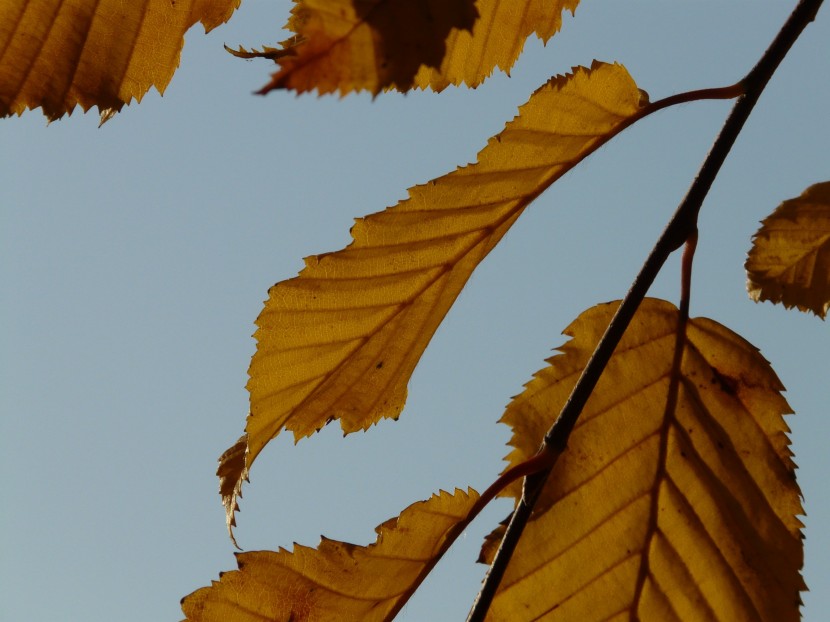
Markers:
682,224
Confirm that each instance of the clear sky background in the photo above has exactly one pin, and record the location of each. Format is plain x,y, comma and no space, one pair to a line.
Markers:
134,259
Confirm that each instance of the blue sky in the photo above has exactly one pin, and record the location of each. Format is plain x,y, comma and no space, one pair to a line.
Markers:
134,259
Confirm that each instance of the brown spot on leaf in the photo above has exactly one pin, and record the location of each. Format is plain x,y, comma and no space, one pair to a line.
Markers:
727,384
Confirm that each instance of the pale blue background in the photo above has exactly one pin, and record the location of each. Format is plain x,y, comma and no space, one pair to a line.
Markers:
135,258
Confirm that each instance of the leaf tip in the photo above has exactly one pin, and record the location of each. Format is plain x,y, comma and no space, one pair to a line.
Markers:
232,472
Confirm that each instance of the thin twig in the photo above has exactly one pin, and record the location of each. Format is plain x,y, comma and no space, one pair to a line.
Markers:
680,227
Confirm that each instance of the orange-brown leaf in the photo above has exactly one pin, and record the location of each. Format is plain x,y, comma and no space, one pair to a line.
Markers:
344,46
340,341
59,54
348,45
790,257
496,41
653,513
338,580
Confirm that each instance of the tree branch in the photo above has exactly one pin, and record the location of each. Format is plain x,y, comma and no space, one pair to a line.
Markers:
682,225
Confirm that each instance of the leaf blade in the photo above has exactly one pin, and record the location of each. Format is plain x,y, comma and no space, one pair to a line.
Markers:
789,262
472,56
686,515
342,45
458,42
58,55
377,303
338,580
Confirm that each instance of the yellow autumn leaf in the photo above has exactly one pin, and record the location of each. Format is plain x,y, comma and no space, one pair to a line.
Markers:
790,257
338,580
57,54
655,513
472,56
345,45
340,341
341,45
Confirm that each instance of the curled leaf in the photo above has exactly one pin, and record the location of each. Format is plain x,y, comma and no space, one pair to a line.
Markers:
790,257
